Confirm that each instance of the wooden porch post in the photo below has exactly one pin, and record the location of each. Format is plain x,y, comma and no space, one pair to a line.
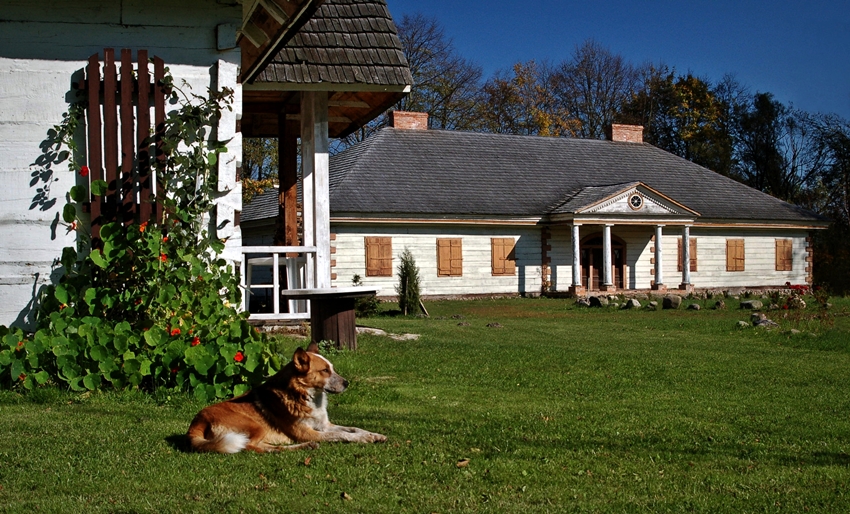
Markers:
659,274
576,288
607,281
686,259
286,225
314,161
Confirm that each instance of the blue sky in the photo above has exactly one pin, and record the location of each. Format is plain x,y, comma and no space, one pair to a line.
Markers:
797,50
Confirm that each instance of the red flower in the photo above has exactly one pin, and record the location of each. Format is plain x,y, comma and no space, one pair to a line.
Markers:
175,331
164,239
84,171
143,226
175,370
138,301
163,257
196,341
239,357
21,377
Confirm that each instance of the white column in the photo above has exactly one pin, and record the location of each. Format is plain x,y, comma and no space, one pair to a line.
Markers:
315,187
576,257
659,274
606,256
686,255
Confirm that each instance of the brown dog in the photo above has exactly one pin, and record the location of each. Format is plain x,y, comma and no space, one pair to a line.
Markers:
287,412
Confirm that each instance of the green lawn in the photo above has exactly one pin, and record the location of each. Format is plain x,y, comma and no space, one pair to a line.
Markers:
559,409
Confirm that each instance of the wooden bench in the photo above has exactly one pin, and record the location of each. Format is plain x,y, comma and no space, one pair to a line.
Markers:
332,312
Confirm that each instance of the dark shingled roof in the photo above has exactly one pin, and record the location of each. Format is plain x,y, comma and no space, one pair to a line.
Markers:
262,206
345,42
444,173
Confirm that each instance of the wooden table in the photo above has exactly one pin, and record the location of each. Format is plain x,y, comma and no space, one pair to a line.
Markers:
332,312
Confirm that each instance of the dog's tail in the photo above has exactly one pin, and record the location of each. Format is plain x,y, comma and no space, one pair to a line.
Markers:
226,442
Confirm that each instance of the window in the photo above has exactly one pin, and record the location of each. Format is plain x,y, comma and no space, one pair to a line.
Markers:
692,243
379,257
504,258
734,255
449,258
784,252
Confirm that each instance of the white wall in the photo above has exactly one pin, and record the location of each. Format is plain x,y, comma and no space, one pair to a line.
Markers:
477,276
43,47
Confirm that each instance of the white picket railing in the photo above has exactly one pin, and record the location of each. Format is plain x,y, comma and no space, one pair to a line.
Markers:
299,275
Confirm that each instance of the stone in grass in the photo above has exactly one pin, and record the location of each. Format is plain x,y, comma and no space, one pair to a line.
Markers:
653,305
583,302
767,323
720,305
598,301
752,305
694,307
614,305
743,324
633,303
671,301
494,325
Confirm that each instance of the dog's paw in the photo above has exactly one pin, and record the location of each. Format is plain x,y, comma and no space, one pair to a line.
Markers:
312,445
376,438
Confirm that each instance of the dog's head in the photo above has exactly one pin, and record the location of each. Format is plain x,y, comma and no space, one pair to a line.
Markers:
316,372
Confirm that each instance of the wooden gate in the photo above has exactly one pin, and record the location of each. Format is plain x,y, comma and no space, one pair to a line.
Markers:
125,162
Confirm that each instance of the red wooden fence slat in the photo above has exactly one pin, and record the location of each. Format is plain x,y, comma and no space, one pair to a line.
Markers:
142,133
94,147
128,143
130,196
110,132
159,120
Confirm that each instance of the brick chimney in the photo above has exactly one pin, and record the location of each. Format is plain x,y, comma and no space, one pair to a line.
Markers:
409,120
625,133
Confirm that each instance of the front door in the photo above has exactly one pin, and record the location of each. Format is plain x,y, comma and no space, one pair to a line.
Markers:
591,263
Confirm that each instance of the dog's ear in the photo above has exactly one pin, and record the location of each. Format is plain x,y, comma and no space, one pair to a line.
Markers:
301,360
313,347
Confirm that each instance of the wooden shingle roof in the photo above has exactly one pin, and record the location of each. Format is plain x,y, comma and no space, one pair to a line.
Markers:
345,42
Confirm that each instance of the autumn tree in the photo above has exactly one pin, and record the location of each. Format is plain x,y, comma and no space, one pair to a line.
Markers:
259,165
682,114
521,101
592,86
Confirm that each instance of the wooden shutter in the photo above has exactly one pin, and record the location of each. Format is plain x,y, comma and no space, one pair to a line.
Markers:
692,242
449,257
503,257
734,255
784,255
379,257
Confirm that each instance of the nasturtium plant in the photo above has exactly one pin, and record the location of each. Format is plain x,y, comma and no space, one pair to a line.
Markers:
152,305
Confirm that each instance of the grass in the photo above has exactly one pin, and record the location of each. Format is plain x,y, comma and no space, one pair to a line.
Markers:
560,409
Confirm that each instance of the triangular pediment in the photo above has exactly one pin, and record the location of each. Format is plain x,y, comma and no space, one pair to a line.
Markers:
636,199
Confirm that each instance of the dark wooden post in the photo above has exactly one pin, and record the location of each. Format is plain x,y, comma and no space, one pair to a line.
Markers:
332,319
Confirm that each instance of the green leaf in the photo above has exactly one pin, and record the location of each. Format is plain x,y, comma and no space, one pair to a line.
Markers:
5,357
154,336
212,158
240,389
92,381
61,294
76,384
42,377
97,257
69,257
99,187
99,353
89,296
69,213
79,193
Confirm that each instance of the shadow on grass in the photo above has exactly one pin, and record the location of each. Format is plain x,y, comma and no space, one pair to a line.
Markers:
179,442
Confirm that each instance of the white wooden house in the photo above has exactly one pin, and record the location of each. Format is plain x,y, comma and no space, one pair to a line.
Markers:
295,73
500,214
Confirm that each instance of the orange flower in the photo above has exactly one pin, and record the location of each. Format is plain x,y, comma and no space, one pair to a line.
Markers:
62,306
196,341
84,171
21,377
239,357
164,239
175,331
163,257
143,226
